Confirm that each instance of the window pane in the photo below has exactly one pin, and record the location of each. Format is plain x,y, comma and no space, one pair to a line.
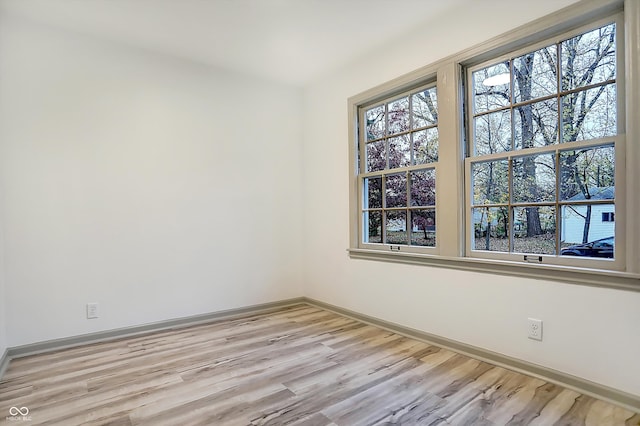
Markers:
534,230
425,108
376,156
373,193
587,231
396,190
425,146
589,114
375,123
423,187
491,87
535,74
492,133
589,58
490,182
490,229
534,178
399,152
396,225
588,174
398,115
536,124
423,227
372,223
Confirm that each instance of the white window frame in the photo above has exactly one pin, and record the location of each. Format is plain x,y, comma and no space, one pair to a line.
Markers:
451,224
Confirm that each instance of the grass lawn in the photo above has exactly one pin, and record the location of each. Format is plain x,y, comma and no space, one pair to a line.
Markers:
540,244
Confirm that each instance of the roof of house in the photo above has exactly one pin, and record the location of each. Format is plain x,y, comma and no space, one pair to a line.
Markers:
597,193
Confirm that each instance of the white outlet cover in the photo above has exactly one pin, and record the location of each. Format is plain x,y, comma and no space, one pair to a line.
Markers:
534,329
92,310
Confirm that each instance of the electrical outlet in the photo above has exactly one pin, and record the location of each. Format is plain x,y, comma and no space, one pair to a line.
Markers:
535,329
92,310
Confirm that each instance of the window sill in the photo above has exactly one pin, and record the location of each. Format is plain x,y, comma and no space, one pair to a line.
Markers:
583,276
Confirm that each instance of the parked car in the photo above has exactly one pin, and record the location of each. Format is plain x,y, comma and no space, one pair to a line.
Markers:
603,247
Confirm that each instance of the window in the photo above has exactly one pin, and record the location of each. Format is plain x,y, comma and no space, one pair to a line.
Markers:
607,216
399,157
517,156
543,147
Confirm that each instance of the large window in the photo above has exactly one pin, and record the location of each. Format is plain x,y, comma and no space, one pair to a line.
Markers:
543,147
398,161
518,156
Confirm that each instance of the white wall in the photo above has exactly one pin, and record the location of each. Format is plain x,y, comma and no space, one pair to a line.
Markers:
153,186
588,332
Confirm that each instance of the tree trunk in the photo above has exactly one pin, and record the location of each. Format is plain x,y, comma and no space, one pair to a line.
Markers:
505,220
534,227
487,238
587,225
523,77
373,226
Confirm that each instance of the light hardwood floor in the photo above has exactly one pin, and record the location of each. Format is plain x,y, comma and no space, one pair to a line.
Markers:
300,365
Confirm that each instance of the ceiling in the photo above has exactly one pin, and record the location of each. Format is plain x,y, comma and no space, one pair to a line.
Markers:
292,41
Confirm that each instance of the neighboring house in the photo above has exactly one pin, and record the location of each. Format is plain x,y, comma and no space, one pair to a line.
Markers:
602,217
398,225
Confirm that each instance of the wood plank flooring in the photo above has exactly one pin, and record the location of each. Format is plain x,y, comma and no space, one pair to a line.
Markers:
298,366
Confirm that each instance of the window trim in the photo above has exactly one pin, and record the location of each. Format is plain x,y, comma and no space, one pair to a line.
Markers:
448,73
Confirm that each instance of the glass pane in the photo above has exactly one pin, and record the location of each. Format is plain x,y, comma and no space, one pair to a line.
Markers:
376,156
398,115
490,229
534,230
396,190
423,227
490,182
372,223
375,123
536,124
535,74
373,193
491,87
588,174
534,178
423,188
396,225
425,108
588,230
492,133
399,152
589,114
589,58
425,146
